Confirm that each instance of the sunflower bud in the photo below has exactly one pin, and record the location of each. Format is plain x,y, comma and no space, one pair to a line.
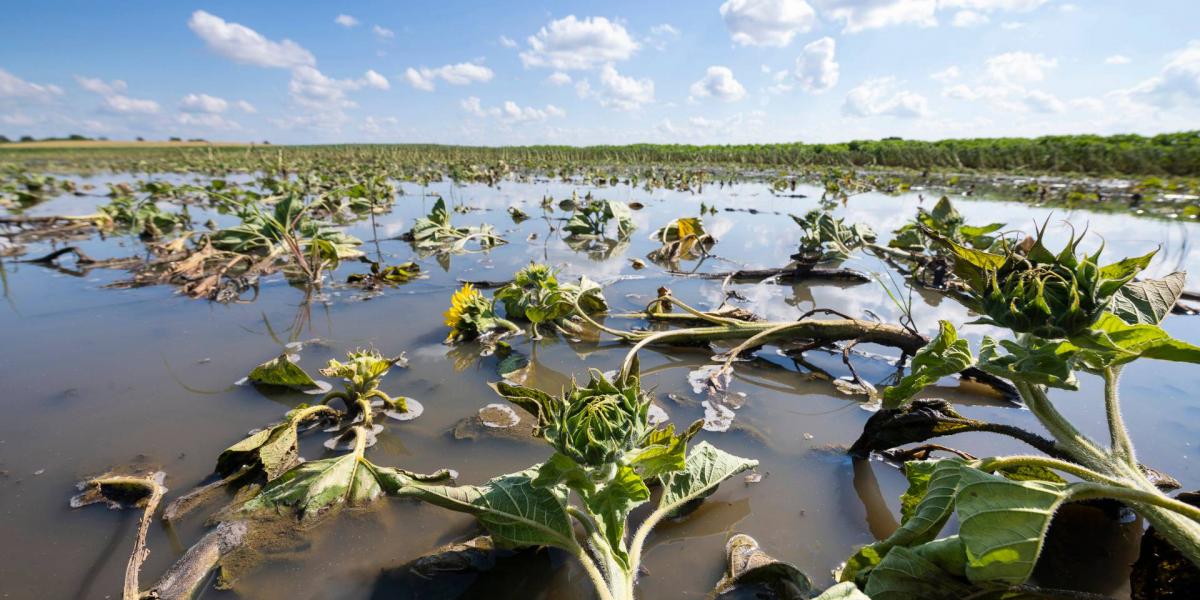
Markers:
1051,296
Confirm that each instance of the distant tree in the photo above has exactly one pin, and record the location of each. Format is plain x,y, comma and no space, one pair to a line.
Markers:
174,139
27,138
4,139
141,139
75,137
266,143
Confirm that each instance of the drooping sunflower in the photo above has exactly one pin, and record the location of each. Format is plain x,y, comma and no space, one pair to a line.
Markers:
471,315
460,303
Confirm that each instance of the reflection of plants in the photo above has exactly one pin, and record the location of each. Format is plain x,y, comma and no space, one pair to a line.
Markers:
1060,306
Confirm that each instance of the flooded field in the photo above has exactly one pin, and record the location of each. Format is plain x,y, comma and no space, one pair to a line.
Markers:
97,378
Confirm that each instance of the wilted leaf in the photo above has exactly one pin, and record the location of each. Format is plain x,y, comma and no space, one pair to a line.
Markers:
946,355
281,372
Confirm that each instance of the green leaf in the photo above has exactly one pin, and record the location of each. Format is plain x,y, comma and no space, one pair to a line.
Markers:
1049,363
1003,524
516,513
927,504
946,355
905,574
281,372
1149,301
1118,274
662,451
1114,342
706,467
843,591
317,487
613,502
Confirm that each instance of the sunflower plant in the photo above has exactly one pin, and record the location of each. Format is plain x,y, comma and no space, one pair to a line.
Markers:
606,456
472,316
1068,314
535,295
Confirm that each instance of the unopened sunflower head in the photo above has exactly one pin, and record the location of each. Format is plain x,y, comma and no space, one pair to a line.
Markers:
1051,296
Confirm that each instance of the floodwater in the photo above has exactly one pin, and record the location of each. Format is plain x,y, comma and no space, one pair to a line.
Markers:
96,378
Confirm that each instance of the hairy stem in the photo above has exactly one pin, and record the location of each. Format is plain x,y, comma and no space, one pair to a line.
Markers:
1136,496
1122,446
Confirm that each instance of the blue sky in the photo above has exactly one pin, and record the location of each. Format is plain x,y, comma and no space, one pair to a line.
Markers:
590,73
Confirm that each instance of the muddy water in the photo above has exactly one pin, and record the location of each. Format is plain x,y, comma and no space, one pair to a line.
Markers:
94,378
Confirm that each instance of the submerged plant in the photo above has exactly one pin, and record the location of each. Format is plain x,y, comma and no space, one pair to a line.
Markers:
472,316
827,238
434,232
535,295
681,239
360,375
606,454
591,218
1060,306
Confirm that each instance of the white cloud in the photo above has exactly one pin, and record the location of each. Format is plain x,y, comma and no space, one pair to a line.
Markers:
375,80
383,32
880,97
571,43
742,126
861,15
992,5
816,68
1178,83
969,18
960,92
313,89
558,78
767,22
207,121
203,103
666,30
661,35
125,104
718,82
459,74
244,45
346,21
1117,59
507,42
99,86
246,107
618,91
12,86
1039,101
112,93
511,112
1019,67
946,75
